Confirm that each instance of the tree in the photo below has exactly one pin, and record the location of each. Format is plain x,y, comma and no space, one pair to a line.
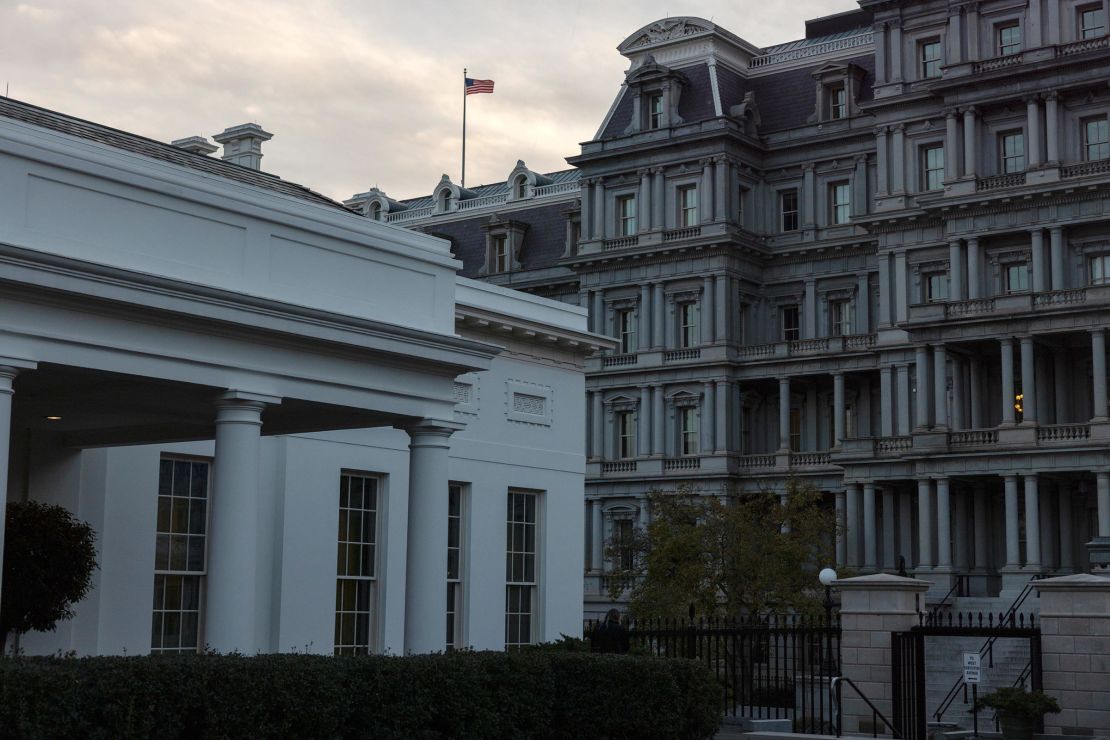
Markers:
49,557
733,555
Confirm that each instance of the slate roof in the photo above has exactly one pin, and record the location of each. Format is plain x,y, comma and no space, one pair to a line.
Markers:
26,113
496,188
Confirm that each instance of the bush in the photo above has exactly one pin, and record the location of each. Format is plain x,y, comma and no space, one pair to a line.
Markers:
530,694
1014,701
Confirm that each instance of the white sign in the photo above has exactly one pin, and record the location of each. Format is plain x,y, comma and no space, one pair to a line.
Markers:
972,668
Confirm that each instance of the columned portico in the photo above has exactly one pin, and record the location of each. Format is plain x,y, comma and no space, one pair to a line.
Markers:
232,593
426,561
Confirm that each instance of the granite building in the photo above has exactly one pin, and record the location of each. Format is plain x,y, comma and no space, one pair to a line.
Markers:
876,259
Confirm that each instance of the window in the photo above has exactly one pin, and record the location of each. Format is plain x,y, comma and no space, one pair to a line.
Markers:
838,102
1092,21
626,326
500,253
520,187
795,429
788,210
1012,151
840,318
688,205
1009,39
688,430
936,287
930,55
1096,139
1017,278
626,435
932,167
788,317
355,563
623,541
840,207
655,111
626,212
688,324
454,564
520,569
1098,268
179,555
375,212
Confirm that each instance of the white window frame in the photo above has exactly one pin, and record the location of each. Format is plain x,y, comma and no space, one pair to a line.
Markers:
840,203
1006,44
838,101
521,582
687,205
654,110
1011,162
932,167
930,66
626,215
1097,149
456,506
1084,31
362,602
499,246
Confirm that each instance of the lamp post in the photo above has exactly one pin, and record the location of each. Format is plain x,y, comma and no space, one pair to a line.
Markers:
827,576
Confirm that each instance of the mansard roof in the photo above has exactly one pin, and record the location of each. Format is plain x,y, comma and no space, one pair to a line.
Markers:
32,114
496,188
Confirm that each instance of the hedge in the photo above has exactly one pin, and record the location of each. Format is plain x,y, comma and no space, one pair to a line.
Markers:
533,694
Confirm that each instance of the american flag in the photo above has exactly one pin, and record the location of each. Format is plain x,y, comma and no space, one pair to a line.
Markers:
473,87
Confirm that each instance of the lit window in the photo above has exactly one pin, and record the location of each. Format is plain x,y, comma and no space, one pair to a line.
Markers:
1096,139
688,205
936,287
179,555
932,167
1092,21
500,254
840,208
1009,39
626,212
788,210
626,326
520,569
454,564
795,429
688,324
931,58
655,111
1017,278
791,331
356,563
1099,269
838,102
1012,151
688,430
840,318
626,435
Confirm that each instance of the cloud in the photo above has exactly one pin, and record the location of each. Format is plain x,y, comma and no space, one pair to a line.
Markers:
356,93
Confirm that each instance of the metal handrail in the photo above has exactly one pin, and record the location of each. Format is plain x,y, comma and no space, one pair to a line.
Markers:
960,581
988,646
835,695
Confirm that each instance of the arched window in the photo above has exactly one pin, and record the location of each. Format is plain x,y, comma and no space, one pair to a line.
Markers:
375,212
444,200
520,187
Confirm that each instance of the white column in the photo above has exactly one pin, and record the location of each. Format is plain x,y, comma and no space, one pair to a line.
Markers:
1056,249
597,536
784,414
658,424
841,529
426,553
863,304
1052,127
1009,415
905,527
886,401
889,529
838,410
944,524
852,530
896,52
1032,524
924,524
940,386
955,270
870,529
643,431
1013,553
922,406
971,139
1033,131
232,580
7,377
1103,493
1098,368
1028,382
1037,258
658,314
974,269
972,32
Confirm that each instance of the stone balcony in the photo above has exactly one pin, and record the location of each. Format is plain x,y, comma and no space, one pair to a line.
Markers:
702,234
718,463
1006,306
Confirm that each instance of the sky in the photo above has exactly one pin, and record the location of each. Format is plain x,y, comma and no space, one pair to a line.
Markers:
358,94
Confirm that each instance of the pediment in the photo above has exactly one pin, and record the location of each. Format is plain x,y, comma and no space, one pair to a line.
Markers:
665,31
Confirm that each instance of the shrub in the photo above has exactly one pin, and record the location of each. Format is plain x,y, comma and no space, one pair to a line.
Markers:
529,694
1014,701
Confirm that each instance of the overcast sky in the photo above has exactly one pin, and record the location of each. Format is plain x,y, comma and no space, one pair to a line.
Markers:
356,93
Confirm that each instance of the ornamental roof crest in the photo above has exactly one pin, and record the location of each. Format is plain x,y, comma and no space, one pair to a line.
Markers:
668,29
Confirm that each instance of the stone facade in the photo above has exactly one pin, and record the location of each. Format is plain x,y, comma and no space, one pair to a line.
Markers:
875,259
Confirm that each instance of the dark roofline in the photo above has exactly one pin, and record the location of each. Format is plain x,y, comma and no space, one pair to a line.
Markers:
839,22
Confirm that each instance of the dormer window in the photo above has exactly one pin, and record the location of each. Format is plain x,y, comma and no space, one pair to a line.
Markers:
838,86
503,243
375,212
838,102
500,253
520,187
655,110
654,91
1009,39
444,201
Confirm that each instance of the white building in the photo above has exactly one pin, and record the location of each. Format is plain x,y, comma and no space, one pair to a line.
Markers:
233,379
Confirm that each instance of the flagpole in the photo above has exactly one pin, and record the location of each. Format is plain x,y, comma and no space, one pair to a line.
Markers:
462,180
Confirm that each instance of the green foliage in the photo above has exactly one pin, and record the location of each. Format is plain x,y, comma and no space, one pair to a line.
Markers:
742,554
49,557
526,694
1014,701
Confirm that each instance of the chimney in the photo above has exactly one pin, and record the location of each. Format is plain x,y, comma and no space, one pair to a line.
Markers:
196,145
243,144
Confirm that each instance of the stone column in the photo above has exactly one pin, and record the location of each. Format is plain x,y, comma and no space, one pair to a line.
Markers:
1052,127
975,391
922,407
784,414
1061,385
944,525
884,290
659,202
809,311
974,269
1028,382
1066,531
924,524
597,418
1013,544
971,140
658,425
722,308
426,554
706,317
858,205
721,435
1032,525
955,270
809,204
599,208
871,608
1009,415
870,529
1102,480
1033,131
1075,645
644,328
979,513
705,196
1036,257
972,32
7,378
902,304
721,189
852,528
957,418
643,201
902,376
961,523
587,216
886,398
838,410
1098,371
863,305
951,145
896,52
882,186
898,159
597,312
232,580
597,537
658,314
708,425
889,529
905,527
841,529
643,431
940,389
